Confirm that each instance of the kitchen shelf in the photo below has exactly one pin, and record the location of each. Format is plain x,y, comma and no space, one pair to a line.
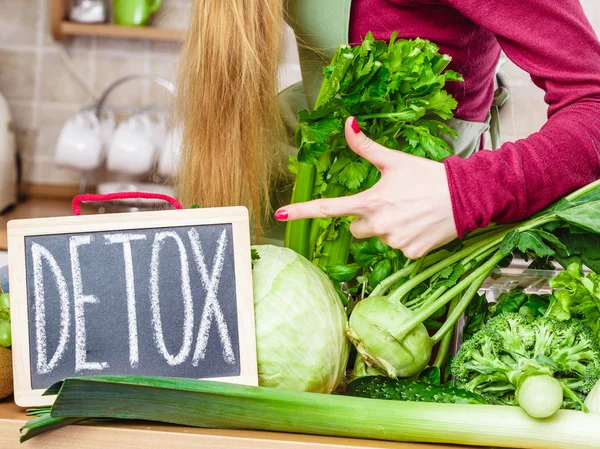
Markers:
107,30
63,29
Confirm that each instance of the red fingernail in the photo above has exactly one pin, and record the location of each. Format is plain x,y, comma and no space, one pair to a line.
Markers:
355,126
281,215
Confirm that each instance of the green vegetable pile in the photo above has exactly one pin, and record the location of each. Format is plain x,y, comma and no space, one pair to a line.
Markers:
5,328
538,351
402,311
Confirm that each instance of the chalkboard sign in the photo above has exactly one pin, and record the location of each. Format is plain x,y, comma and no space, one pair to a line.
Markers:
164,293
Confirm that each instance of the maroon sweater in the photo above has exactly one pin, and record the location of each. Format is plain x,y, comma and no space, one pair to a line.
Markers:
554,42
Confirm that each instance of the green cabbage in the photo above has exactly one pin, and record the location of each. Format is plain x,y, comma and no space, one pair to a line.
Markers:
300,323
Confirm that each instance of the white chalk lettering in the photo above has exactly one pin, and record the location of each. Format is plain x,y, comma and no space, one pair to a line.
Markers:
39,254
212,309
80,300
126,239
186,291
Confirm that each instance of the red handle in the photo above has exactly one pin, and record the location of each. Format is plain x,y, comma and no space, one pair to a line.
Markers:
76,204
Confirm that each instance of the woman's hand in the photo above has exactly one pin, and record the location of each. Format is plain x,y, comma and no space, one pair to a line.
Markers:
409,208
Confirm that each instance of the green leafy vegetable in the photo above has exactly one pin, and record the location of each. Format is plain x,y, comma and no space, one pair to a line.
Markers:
476,314
374,261
431,375
581,247
342,273
529,305
5,327
254,256
578,296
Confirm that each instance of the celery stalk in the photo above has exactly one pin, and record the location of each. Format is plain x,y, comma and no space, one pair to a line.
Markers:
336,251
297,231
298,234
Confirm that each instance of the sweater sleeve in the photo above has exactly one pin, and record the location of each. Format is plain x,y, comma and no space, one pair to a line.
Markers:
554,42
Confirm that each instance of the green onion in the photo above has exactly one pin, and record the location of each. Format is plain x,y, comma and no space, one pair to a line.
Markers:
210,404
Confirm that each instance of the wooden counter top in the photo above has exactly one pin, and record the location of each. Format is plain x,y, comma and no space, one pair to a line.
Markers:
33,208
121,435
40,207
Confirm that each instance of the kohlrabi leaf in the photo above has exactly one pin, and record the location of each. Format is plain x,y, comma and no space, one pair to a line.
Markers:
582,248
509,243
583,215
530,241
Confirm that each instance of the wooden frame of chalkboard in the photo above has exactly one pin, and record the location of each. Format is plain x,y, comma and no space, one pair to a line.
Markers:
56,256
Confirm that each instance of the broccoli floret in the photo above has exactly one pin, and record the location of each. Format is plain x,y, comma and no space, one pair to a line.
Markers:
509,349
590,378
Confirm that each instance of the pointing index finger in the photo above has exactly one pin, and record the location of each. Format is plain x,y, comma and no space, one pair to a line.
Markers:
322,208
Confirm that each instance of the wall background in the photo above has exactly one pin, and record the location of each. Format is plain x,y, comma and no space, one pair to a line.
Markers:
525,111
43,94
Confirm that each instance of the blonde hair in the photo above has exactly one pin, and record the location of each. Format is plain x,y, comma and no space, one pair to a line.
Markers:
227,104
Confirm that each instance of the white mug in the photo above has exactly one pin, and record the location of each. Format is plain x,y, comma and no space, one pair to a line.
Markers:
80,142
107,127
132,149
159,127
170,153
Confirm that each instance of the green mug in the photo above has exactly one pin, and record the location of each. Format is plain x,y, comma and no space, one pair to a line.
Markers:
134,12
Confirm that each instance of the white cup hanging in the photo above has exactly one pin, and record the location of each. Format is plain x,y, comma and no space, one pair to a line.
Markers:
159,127
170,153
107,127
132,149
80,142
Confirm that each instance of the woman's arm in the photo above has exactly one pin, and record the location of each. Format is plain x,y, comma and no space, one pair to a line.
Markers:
554,42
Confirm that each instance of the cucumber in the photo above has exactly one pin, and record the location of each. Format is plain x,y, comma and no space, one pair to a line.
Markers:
380,387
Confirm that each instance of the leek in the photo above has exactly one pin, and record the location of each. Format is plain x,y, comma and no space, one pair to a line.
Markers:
209,404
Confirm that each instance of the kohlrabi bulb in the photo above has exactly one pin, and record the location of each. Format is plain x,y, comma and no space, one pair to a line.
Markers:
375,328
